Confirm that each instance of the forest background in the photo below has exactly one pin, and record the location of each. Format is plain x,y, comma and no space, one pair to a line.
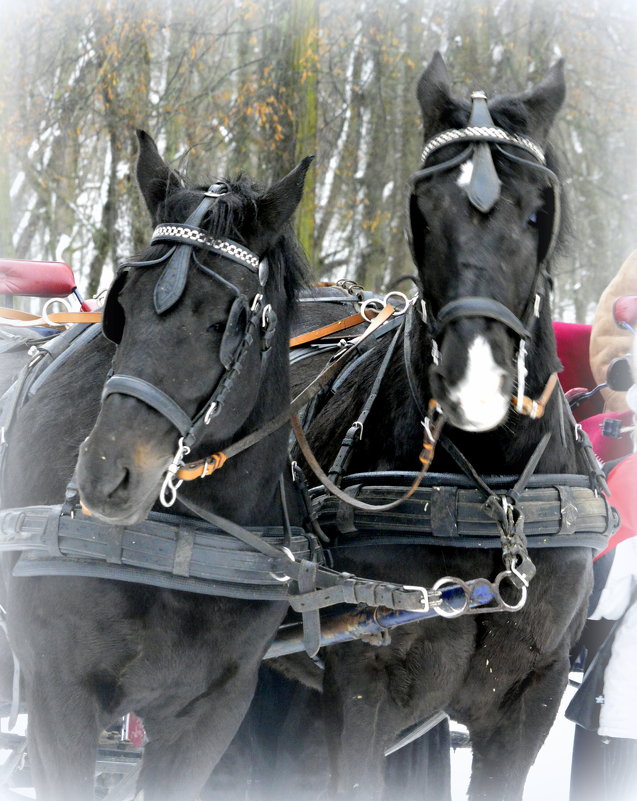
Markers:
236,85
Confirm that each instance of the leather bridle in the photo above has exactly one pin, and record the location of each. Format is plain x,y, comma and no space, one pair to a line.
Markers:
248,321
483,192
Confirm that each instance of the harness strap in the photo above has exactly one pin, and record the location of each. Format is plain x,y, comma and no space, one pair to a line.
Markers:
318,333
345,451
433,428
478,307
20,319
205,467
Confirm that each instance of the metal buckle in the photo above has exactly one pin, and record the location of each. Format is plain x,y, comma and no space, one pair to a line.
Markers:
211,412
426,606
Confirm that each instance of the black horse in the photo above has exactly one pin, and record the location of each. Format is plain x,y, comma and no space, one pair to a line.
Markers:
197,342
483,225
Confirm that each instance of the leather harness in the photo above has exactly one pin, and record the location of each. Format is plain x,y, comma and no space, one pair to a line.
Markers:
246,563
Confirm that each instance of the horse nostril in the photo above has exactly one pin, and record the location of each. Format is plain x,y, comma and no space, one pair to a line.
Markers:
119,487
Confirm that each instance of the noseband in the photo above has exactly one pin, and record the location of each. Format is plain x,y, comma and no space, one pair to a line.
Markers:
483,191
245,320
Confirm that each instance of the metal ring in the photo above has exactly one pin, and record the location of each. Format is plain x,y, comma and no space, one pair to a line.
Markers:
45,310
453,581
506,574
402,296
371,302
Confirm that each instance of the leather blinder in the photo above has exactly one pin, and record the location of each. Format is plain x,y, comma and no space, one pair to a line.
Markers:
235,331
113,317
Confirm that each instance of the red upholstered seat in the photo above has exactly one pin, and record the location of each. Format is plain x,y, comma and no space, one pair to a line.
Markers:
42,279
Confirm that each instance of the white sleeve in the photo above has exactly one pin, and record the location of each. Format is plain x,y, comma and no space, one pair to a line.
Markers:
620,584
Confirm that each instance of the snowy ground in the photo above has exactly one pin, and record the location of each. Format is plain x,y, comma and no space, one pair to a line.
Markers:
548,779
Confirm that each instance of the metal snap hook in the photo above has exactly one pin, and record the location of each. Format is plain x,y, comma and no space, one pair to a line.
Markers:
168,494
290,556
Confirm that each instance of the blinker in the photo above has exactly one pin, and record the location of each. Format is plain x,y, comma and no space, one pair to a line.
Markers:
113,317
235,331
172,281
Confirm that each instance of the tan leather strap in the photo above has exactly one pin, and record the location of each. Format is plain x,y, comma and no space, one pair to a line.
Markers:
326,330
535,408
433,428
205,467
21,319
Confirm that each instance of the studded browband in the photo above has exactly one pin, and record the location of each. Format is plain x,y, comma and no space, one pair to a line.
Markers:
482,133
191,235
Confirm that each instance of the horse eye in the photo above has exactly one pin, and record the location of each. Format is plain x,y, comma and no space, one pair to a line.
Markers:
532,220
216,327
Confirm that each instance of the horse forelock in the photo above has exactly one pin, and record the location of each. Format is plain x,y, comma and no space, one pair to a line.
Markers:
231,216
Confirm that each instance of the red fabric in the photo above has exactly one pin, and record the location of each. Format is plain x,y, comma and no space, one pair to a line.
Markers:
42,279
607,449
573,340
622,483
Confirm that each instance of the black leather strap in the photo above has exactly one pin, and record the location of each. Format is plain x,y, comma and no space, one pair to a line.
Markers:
478,307
451,512
151,396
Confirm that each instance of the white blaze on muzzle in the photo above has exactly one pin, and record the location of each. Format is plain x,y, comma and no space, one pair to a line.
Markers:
480,394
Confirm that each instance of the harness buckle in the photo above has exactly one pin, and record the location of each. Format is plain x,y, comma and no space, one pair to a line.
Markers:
424,601
435,352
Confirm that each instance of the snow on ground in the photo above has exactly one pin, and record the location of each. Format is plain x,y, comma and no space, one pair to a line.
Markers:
548,780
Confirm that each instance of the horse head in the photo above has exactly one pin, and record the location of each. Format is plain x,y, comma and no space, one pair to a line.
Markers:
484,219
200,321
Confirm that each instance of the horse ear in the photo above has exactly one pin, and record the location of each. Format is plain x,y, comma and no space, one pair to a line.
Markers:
155,178
545,100
434,94
278,203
